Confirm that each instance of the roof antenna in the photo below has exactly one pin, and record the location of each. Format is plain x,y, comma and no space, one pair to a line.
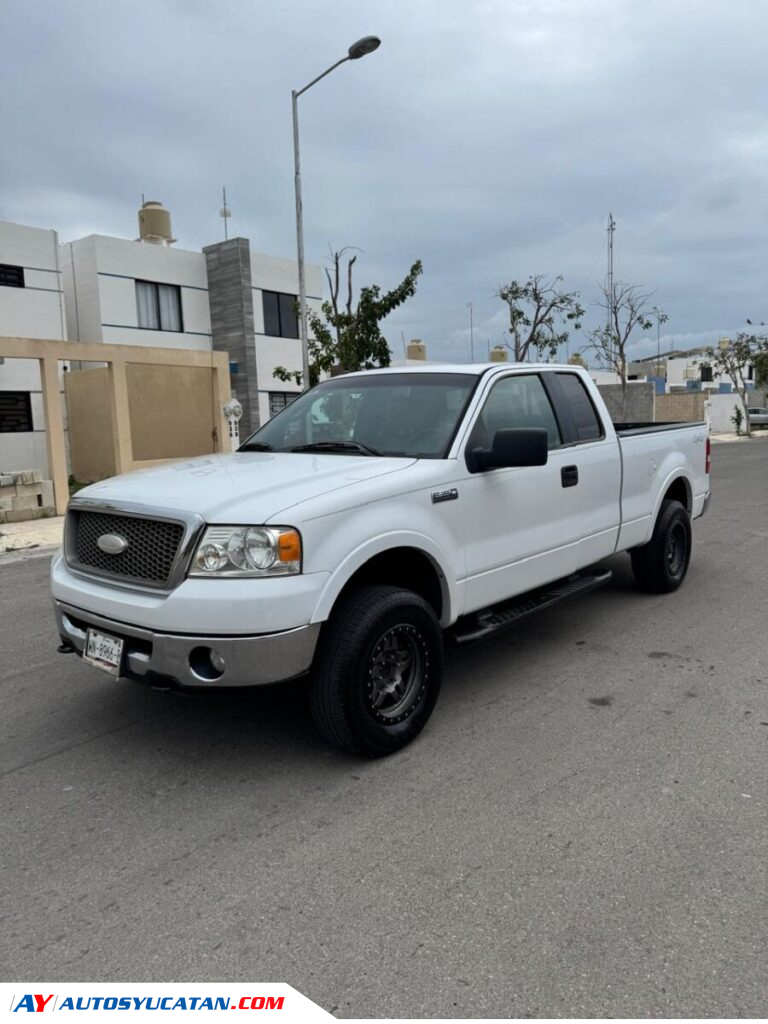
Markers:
225,213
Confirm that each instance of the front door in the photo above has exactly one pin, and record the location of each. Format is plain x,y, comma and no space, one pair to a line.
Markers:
522,523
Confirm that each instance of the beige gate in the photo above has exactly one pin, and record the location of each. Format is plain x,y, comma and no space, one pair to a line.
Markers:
147,405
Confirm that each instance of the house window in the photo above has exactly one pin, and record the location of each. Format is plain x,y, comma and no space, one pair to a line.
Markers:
15,412
11,277
279,399
159,306
280,319
750,373
706,375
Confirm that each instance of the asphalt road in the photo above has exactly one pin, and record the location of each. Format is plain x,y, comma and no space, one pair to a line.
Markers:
581,830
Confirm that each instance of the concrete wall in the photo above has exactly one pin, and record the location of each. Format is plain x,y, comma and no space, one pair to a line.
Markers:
231,297
681,408
640,402
34,311
171,416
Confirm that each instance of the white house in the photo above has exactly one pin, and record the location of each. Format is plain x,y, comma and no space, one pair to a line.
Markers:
124,292
693,366
227,297
31,306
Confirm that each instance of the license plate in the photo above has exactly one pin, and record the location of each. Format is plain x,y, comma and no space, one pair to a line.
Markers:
103,651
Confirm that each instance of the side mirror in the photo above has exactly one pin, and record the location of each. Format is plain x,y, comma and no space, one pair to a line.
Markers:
512,447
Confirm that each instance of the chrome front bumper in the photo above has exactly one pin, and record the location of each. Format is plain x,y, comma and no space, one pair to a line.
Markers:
171,659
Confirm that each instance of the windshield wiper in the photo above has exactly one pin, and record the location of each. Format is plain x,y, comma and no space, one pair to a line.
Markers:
336,446
255,446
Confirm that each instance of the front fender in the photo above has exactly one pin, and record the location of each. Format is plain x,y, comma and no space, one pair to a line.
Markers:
364,552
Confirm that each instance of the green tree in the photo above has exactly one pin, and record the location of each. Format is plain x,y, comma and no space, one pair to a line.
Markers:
346,335
732,359
540,315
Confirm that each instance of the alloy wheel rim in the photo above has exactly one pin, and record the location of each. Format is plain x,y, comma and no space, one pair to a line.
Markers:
676,549
397,674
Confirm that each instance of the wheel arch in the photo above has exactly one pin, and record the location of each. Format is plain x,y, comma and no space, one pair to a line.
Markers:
678,489
401,561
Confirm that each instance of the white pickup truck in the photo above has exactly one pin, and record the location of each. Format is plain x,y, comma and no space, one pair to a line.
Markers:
378,515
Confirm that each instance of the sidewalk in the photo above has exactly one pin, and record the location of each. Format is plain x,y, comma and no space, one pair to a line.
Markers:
757,435
32,533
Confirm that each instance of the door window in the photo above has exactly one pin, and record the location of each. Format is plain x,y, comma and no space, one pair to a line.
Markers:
518,401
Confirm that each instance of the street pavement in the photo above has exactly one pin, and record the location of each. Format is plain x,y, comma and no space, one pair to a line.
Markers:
581,830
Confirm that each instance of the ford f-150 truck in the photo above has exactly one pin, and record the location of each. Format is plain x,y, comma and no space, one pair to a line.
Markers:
379,515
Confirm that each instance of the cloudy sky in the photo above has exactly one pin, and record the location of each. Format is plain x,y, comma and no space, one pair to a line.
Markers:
490,138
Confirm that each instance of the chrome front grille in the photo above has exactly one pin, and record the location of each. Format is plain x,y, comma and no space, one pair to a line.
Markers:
152,550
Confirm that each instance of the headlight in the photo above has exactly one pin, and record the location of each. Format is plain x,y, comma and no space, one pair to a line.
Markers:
247,551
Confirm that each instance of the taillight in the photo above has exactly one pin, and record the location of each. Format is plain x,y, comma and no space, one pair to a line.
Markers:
708,461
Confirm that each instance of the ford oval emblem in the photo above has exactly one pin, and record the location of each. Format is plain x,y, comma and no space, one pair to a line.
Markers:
112,543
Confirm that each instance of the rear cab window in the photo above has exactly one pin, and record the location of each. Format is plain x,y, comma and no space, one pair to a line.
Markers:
579,408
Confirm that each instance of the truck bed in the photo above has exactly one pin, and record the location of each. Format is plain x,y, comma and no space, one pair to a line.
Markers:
650,460
644,427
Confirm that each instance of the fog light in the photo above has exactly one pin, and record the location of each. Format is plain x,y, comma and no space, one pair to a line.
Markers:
206,663
217,660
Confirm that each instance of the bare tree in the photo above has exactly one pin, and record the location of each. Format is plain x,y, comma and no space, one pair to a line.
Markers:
732,358
627,312
539,315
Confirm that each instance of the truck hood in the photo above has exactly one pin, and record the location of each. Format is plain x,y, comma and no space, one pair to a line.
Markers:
244,487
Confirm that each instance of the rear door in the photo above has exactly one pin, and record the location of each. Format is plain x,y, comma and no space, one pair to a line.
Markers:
523,524
594,462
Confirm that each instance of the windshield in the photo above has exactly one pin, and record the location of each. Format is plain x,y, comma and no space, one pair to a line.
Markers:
397,414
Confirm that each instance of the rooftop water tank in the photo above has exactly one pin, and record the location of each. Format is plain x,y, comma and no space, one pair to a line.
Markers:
416,349
499,354
155,224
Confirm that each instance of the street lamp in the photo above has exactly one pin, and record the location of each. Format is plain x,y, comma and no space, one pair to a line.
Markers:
661,318
357,50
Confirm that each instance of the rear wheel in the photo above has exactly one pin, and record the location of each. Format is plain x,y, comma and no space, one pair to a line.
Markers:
660,565
378,671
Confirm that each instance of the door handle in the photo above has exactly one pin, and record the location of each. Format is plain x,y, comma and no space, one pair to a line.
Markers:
569,476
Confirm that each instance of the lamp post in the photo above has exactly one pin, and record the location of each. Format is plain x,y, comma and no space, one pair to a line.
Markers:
471,309
661,318
357,50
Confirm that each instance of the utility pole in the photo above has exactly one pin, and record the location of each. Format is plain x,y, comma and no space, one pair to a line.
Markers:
609,282
471,331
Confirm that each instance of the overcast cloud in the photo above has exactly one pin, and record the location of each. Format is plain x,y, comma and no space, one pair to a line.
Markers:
490,139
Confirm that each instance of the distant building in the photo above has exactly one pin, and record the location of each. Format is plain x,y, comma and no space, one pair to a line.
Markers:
146,292
686,371
31,306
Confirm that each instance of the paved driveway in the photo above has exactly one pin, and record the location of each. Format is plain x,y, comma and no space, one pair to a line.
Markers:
582,829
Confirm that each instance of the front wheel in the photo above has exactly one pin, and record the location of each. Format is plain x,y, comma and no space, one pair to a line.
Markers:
378,671
661,564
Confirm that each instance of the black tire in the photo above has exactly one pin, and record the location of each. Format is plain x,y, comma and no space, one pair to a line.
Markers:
661,564
378,671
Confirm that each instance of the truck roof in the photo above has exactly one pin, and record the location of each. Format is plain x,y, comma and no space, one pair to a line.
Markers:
472,368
